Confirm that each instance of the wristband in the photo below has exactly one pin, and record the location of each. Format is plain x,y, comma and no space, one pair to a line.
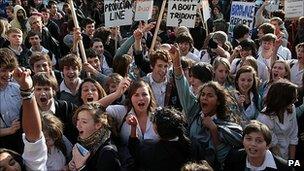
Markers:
27,90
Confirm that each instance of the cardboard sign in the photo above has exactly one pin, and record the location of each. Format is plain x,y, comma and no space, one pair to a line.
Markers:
118,12
241,13
182,13
294,8
206,10
143,10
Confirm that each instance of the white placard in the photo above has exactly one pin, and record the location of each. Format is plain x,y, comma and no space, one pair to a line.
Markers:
143,10
206,10
294,8
182,13
241,13
118,12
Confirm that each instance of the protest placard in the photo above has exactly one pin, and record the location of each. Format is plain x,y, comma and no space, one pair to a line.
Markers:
241,13
118,12
294,8
206,10
143,10
182,13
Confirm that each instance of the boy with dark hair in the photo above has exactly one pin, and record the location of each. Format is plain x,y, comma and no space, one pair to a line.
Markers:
268,50
45,90
256,154
94,67
88,32
48,41
35,41
266,28
105,57
41,62
240,32
185,42
50,24
70,66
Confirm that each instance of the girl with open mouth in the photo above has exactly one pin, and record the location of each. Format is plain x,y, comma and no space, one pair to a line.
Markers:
207,113
246,83
90,91
95,150
279,69
139,103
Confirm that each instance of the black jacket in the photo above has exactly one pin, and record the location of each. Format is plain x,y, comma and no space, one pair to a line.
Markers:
162,155
65,111
105,158
236,161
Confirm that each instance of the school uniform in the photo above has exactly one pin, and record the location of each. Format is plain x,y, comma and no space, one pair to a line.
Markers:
296,74
238,161
283,134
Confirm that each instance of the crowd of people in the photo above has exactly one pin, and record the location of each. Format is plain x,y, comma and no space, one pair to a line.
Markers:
194,101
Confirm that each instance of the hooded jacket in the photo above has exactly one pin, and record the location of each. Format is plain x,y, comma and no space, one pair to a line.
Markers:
16,24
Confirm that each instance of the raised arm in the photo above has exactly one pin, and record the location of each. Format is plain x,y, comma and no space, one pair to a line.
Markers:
122,88
141,62
31,122
259,18
186,97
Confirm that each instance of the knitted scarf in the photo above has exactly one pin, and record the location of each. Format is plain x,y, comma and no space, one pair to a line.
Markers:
94,141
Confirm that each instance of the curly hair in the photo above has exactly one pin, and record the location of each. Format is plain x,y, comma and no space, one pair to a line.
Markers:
222,98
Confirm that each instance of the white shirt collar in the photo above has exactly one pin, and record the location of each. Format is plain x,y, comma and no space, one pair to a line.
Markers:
151,80
268,162
63,86
43,50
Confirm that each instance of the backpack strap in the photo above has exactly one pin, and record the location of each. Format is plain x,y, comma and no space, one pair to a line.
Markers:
292,62
123,120
168,92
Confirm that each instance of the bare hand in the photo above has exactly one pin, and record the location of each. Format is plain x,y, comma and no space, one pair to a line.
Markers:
278,42
237,49
123,85
72,165
77,35
148,27
208,122
175,55
15,126
132,120
78,159
23,77
87,67
138,34
241,99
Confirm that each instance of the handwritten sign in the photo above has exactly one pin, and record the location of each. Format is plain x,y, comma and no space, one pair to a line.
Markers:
143,10
241,13
118,12
294,8
182,13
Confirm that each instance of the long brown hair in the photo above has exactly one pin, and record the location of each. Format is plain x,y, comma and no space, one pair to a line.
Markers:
53,127
132,90
222,98
280,95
